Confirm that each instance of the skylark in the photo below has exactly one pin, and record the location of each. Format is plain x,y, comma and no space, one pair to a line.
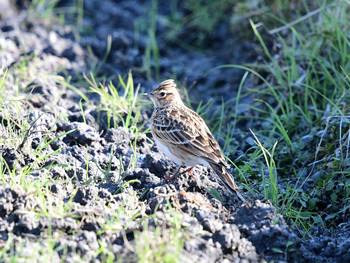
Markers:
183,136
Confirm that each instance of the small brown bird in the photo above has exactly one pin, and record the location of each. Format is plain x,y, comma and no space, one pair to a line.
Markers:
183,136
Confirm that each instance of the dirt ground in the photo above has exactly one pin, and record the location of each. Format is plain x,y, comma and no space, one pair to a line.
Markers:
73,170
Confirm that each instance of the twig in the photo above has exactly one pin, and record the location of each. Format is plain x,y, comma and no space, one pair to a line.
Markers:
300,19
26,136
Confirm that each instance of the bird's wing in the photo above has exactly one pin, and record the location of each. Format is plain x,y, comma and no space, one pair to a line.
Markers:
187,130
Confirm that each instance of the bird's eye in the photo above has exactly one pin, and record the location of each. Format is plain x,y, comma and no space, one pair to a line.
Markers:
162,94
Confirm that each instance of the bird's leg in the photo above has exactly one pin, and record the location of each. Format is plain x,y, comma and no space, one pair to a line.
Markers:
173,177
190,173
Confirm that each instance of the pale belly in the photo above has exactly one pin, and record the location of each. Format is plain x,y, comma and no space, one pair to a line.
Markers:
168,154
183,159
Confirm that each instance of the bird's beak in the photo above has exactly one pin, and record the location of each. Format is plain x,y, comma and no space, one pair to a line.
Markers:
146,95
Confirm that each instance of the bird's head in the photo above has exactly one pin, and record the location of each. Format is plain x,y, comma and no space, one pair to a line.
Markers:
164,94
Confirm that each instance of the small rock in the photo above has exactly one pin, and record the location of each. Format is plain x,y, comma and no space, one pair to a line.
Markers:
307,138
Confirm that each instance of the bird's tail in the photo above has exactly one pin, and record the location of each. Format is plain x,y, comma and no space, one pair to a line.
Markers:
227,179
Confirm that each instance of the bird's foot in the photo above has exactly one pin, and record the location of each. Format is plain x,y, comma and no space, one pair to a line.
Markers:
172,178
190,173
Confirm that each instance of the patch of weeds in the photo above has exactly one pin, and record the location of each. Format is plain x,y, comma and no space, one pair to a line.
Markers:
124,171
151,63
158,245
201,21
96,65
105,169
13,115
49,10
300,93
198,20
285,251
125,217
26,250
152,56
42,8
271,191
52,206
114,109
3,80
106,253
22,174
123,220
215,193
162,242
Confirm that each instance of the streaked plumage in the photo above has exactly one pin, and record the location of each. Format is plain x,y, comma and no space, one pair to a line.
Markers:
183,136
